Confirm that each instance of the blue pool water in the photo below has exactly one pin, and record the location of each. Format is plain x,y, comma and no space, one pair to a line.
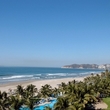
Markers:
42,107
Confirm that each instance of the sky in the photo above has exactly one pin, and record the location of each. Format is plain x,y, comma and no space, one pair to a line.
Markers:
54,33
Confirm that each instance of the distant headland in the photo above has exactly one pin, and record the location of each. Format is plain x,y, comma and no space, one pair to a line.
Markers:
88,66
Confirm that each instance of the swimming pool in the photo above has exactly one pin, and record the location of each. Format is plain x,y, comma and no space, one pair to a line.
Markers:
42,107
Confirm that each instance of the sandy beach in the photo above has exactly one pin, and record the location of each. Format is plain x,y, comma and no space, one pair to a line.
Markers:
38,83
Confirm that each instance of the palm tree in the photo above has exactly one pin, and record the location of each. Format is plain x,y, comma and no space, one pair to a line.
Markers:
30,103
4,103
16,102
71,88
55,92
20,90
31,90
80,94
62,104
63,87
46,90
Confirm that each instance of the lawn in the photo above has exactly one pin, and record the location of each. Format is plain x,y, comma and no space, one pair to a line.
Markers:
107,101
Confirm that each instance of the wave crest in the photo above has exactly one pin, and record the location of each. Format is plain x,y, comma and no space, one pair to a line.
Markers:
18,76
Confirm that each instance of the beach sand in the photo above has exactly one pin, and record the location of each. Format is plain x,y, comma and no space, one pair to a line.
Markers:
37,83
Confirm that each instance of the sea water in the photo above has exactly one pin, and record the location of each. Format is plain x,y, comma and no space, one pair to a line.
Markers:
11,74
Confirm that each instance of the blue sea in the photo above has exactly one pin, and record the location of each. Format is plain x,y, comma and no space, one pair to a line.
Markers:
11,74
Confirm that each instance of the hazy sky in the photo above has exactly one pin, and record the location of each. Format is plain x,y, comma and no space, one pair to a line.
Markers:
54,32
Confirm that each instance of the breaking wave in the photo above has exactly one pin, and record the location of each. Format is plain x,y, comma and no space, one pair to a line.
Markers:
57,74
18,76
23,74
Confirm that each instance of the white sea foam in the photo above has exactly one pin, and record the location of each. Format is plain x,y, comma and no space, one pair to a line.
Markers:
18,76
57,74
85,73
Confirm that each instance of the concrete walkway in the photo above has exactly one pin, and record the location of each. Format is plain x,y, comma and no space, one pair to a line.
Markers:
101,105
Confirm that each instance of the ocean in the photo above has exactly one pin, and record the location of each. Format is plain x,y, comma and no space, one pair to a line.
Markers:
11,74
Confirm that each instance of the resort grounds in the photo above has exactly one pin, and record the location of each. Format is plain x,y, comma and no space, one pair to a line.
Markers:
81,93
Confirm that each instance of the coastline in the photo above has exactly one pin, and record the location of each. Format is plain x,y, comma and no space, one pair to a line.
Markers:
38,83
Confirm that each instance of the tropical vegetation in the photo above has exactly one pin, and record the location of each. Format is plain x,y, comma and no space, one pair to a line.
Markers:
71,96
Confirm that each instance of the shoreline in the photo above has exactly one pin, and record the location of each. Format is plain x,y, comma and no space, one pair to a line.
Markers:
38,83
